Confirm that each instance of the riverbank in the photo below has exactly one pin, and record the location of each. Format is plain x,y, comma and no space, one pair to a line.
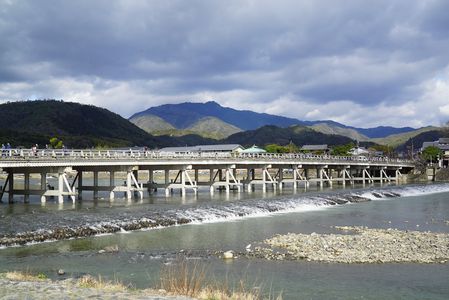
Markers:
358,245
182,281
36,288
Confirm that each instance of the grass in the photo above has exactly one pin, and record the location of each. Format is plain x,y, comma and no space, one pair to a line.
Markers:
193,279
25,276
106,285
183,277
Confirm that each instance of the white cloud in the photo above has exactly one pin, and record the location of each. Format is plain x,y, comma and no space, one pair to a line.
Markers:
362,64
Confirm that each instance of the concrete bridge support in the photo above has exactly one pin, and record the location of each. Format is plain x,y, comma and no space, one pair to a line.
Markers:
43,190
130,186
265,171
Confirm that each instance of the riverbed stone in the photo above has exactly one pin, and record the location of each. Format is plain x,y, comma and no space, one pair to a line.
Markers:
359,245
228,255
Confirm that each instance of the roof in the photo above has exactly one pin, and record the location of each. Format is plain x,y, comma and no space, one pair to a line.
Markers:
253,149
205,148
443,141
358,151
314,147
429,144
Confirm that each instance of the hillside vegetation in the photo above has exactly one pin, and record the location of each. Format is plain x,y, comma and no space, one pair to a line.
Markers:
151,123
298,135
396,140
207,127
28,122
329,128
184,115
418,140
84,126
213,128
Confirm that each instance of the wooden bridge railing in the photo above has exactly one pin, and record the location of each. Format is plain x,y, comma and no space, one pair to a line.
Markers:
113,154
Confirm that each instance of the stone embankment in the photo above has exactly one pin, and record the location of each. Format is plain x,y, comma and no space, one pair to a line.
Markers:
358,245
67,289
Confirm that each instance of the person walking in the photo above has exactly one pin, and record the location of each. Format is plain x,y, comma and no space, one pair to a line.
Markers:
8,149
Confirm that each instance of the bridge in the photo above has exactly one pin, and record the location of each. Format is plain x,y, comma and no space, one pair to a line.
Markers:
172,171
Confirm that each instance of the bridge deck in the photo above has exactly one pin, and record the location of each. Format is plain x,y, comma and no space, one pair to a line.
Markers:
275,170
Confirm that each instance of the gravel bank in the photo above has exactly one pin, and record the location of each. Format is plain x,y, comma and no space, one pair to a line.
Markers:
359,245
47,289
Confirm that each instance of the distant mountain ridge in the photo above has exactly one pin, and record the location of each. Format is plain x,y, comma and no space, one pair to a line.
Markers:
184,115
23,123
213,127
297,134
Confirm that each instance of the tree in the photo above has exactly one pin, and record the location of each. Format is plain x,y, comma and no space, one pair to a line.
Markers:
431,153
342,150
292,148
275,148
387,150
56,143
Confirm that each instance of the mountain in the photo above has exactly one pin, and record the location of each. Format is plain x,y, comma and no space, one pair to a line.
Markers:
84,126
299,135
365,133
29,122
183,115
151,123
382,131
207,127
418,140
213,128
330,128
396,140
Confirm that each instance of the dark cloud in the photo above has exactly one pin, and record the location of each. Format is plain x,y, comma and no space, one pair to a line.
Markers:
365,52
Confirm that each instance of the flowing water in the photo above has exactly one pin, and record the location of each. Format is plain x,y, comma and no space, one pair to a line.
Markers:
198,225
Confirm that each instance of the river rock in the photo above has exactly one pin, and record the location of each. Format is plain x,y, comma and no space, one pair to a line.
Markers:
228,255
359,245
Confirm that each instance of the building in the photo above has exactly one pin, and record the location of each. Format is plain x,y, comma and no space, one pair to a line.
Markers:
443,145
315,148
253,150
225,148
359,151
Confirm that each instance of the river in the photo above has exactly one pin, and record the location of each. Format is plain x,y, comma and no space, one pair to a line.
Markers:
231,222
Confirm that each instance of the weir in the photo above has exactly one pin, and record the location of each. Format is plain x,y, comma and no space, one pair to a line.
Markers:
183,172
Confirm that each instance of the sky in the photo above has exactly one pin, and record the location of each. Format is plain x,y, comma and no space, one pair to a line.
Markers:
361,63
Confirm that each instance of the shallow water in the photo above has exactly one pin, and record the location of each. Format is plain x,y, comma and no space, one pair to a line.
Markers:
220,227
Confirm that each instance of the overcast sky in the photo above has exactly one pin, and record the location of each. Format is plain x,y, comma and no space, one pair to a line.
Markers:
362,63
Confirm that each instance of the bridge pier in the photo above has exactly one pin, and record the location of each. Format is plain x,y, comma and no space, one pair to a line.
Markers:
111,183
223,171
11,187
95,175
80,184
223,178
43,185
130,185
43,189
